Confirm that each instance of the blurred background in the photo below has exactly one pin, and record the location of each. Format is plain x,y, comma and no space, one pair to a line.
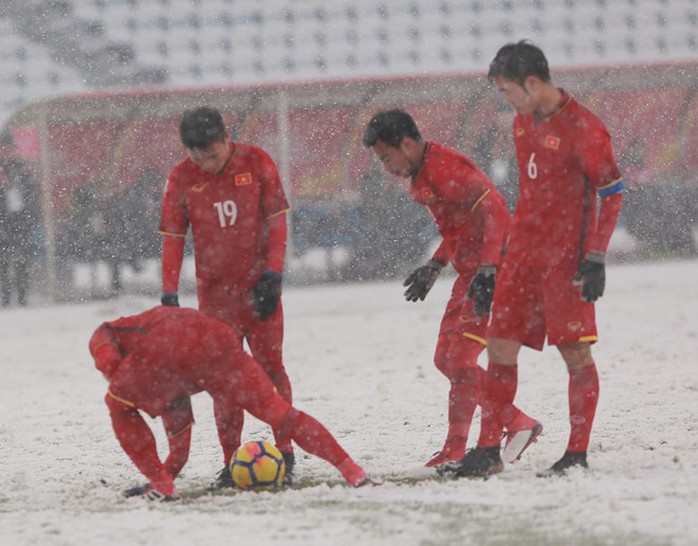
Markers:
91,92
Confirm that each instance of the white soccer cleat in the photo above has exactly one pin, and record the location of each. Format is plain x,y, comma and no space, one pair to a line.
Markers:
518,441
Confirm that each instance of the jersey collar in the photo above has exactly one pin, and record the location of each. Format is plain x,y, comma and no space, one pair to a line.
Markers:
565,99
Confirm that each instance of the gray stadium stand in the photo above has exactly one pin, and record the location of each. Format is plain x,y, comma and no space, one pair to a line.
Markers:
55,46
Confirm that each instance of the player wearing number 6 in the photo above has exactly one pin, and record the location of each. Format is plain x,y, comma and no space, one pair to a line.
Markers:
231,196
553,270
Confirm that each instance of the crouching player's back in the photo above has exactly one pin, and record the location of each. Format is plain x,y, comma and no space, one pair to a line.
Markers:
156,360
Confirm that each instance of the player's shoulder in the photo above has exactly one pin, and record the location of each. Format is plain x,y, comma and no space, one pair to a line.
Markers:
590,130
183,177
436,148
182,170
245,149
583,116
440,153
446,157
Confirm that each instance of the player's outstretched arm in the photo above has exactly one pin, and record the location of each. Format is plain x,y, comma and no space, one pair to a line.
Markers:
178,421
421,280
137,440
172,258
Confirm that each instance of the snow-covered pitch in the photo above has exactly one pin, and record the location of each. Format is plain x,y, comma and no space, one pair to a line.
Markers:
360,359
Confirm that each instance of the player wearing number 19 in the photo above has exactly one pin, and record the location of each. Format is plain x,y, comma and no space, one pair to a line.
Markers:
231,196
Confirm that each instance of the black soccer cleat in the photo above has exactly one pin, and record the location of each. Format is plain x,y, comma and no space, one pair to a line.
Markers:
569,460
223,480
136,491
290,463
479,462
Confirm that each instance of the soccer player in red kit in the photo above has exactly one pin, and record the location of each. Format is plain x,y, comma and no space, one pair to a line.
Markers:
553,271
157,360
231,196
472,218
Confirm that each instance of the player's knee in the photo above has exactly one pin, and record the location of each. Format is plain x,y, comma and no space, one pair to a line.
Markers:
275,371
272,410
468,375
442,361
118,406
453,365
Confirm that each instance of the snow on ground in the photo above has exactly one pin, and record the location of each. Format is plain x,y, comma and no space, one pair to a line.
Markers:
359,357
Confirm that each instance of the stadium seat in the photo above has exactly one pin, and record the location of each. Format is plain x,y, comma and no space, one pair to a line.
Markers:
212,41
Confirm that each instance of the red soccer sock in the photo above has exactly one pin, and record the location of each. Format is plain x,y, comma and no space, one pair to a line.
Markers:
136,438
283,387
519,420
463,398
229,426
314,438
352,472
583,398
497,403
459,418
179,452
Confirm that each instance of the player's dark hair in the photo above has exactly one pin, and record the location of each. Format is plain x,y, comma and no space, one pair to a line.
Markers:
516,62
201,127
390,126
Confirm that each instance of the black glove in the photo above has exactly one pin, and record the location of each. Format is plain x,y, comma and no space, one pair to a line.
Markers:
592,277
170,299
422,279
482,289
266,294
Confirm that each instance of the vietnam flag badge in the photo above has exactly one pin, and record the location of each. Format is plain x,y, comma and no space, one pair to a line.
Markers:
243,179
552,142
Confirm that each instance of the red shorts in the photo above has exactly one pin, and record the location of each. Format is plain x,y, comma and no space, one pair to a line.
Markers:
233,306
532,302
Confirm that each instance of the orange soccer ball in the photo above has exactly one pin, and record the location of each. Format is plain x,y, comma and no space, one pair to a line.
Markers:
257,466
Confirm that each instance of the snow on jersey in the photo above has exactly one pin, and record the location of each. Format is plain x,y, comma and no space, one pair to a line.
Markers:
452,188
173,352
226,212
564,160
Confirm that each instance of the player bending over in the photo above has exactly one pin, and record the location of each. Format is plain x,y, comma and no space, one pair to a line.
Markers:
473,219
156,360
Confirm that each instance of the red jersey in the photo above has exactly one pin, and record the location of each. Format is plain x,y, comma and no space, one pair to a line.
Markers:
564,160
461,199
171,352
227,212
